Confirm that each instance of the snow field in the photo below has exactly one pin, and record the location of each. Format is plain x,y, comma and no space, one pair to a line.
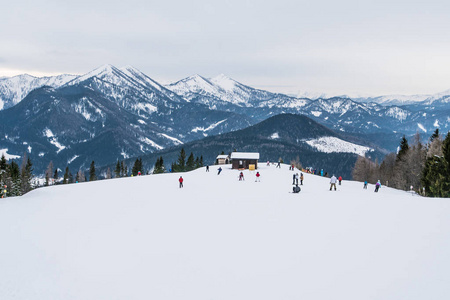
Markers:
218,238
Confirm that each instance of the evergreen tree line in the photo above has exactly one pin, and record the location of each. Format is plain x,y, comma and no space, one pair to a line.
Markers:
183,165
15,180
53,177
425,168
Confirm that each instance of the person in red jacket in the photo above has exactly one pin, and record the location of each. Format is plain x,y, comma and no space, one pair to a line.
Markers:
340,179
257,176
181,181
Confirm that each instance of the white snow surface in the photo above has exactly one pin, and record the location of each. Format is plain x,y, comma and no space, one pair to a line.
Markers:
175,140
72,159
210,127
145,238
7,155
151,143
421,127
275,136
329,144
53,140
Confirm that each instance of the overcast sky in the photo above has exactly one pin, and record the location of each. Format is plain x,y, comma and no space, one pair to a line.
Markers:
336,47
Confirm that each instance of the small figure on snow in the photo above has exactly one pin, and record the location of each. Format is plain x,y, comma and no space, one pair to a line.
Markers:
207,168
293,179
333,181
241,176
257,177
365,185
279,164
181,181
340,180
296,189
301,178
377,186
321,172
268,163
219,170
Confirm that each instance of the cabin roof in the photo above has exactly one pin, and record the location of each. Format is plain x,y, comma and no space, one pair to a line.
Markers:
245,155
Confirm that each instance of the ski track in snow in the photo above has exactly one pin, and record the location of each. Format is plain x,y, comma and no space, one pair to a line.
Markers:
218,238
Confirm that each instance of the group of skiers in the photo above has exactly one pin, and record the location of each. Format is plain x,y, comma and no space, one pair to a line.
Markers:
295,179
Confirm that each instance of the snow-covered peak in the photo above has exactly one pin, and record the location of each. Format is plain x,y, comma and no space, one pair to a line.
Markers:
140,77
14,89
224,82
102,72
194,84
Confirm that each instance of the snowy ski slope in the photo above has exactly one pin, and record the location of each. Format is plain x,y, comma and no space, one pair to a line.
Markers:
218,238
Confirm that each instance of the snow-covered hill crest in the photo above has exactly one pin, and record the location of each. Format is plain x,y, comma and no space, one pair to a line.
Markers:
218,237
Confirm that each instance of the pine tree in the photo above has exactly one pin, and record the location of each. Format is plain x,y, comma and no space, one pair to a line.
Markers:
190,164
404,147
14,179
180,166
197,162
118,169
446,161
123,169
26,173
137,167
55,176
92,176
436,172
435,135
3,170
159,166
66,176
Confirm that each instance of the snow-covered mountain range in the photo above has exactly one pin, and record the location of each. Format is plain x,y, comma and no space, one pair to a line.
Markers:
14,89
125,113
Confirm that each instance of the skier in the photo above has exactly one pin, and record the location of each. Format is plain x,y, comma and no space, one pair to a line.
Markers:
207,168
268,163
4,191
296,189
181,181
257,177
279,164
139,173
219,170
321,172
293,179
365,185
333,182
296,178
340,179
301,178
377,186
241,176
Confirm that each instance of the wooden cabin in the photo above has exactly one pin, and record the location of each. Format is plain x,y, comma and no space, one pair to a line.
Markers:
222,159
244,160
